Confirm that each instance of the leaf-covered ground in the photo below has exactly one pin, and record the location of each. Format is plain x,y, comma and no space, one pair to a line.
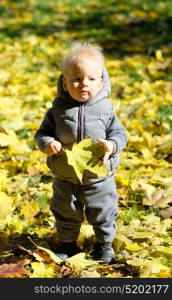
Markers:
136,39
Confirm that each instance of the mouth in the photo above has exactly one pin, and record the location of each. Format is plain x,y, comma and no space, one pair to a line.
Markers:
83,92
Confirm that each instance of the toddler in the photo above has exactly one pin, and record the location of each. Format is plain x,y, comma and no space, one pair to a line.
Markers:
82,110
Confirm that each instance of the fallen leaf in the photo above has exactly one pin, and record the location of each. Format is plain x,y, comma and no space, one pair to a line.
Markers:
167,251
166,213
79,262
90,274
152,266
5,205
14,270
30,209
65,271
163,202
133,247
32,170
8,138
157,196
32,253
43,271
115,275
47,253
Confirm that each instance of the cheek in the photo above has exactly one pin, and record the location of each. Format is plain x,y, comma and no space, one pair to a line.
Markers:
97,87
68,86
71,87
74,85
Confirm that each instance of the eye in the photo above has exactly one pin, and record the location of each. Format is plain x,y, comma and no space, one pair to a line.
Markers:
77,79
92,78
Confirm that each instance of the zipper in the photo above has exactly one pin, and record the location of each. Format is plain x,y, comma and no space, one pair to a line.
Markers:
80,133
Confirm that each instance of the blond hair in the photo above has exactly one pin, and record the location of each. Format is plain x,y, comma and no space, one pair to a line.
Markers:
79,51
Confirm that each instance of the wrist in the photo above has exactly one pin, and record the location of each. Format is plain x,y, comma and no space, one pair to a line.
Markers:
114,146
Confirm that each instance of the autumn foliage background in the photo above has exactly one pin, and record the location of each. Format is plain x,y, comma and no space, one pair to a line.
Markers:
136,39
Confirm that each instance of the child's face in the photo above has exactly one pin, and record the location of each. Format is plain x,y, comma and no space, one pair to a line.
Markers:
83,79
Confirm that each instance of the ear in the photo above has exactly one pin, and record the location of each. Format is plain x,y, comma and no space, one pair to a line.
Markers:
64,84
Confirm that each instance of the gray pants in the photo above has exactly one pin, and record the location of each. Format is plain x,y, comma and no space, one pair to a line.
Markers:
99,200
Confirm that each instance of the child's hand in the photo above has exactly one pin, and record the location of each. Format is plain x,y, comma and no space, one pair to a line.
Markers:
53,148
108,148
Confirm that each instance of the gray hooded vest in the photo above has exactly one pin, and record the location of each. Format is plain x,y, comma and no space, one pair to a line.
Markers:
69,121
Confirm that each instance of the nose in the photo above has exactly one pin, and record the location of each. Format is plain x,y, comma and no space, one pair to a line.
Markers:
84,82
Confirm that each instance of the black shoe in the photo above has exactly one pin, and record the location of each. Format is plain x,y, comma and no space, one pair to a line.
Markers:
103,252
67,249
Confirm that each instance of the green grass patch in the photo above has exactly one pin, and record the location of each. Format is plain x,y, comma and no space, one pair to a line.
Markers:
130,212
165,114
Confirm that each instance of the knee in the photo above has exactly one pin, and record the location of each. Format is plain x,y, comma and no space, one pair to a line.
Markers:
101,216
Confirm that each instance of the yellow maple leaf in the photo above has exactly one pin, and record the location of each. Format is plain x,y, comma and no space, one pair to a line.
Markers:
79,262
42,271
167,251
84,157
5,205
164,274
147,154
133,247
152,267
3,179
30,209
150,141
8,138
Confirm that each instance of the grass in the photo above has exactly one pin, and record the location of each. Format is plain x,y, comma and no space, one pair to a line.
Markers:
130,212
165,114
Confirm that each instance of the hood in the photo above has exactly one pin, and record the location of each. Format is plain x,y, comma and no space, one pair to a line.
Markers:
103,93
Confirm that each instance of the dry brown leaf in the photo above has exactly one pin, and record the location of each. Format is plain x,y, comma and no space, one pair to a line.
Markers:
157,195
32,170
35,253
166,213
14,270
163,202
65,271
46,254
